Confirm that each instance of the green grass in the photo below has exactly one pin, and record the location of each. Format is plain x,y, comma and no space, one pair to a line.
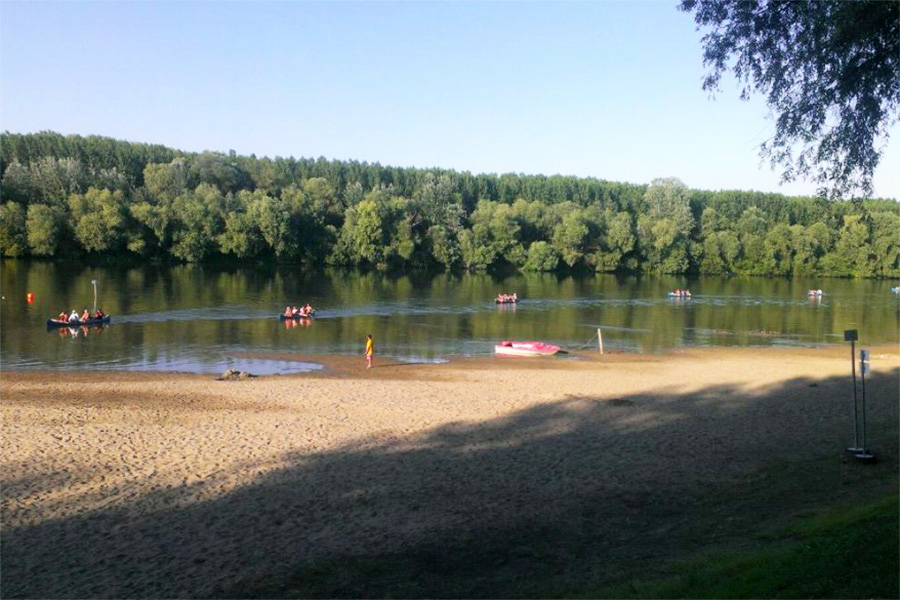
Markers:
846,553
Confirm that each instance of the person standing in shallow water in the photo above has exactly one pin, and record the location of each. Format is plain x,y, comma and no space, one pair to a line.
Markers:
370,350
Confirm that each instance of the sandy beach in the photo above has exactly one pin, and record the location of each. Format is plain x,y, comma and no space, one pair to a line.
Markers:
175,485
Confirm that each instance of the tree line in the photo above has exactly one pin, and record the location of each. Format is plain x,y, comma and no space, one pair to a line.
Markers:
72,195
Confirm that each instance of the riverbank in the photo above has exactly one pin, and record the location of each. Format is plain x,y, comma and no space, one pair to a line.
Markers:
580,471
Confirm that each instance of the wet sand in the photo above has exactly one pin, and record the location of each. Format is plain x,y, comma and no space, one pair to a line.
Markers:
176,485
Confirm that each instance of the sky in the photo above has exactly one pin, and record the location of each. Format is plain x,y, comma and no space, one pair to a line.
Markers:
605,89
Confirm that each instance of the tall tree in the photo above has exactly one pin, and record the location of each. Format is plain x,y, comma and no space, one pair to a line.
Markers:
99,219
13,239
830,71
44,228
666,225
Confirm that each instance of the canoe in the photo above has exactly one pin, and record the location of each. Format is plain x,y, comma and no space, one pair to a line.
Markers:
674,295
498,301
296,317
507,348
51,323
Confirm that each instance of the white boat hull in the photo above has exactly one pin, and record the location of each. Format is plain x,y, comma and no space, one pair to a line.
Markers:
522,349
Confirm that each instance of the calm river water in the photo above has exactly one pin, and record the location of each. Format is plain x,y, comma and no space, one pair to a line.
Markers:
203,319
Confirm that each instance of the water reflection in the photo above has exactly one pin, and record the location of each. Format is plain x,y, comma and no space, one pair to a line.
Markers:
167,318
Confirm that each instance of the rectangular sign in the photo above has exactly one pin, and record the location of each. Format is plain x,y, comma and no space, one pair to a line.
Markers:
850,335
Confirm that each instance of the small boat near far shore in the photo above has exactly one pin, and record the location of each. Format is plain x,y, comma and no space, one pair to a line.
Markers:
52,323
508,348
297,317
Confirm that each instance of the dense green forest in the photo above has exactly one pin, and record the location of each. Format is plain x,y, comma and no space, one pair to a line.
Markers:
75,196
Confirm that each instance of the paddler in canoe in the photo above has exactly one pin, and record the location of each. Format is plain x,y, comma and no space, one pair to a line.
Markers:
304,312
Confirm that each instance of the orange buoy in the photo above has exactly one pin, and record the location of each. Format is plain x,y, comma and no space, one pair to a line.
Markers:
29,297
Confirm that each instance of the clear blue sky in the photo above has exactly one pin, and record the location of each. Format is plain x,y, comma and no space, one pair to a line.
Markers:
595,89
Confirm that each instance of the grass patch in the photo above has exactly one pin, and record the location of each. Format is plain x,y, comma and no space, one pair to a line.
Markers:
844,553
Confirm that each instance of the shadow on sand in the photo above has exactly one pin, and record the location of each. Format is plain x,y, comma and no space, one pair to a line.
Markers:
571,494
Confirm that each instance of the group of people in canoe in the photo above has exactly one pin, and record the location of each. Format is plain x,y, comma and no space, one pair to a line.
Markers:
680,293
74,318
815,293
507,298
302,312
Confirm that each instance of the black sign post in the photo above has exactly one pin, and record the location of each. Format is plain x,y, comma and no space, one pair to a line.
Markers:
851,335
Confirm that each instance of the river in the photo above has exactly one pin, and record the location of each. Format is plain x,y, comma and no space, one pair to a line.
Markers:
204,319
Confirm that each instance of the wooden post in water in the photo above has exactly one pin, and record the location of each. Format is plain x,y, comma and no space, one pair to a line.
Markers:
600,339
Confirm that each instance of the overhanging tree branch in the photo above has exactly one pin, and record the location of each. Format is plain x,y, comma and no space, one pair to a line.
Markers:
812,60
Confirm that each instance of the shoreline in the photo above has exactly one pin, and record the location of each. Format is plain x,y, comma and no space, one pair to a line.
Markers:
344,365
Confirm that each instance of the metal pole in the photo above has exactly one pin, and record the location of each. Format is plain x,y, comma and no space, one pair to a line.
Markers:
862,375
855,409
600,337
864,455
94,283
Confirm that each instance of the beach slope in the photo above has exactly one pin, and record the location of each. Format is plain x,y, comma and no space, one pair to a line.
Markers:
482,477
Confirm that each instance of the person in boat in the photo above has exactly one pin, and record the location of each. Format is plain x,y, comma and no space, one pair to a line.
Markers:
86,315
63,316
308,309
515,297
287,311
73,316
99,314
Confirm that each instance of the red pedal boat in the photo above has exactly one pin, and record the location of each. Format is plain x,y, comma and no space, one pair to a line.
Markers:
507,348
